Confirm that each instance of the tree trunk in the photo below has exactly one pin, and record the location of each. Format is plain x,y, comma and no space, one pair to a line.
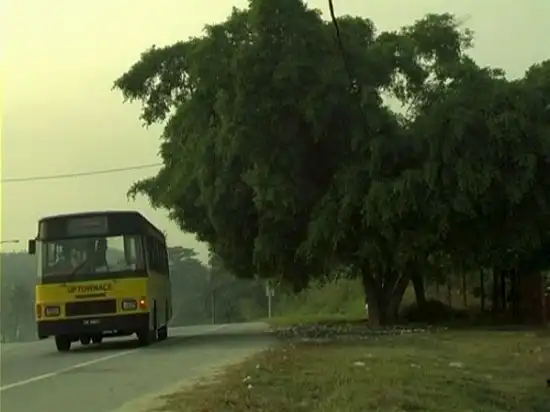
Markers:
450,292
482,289
384,300
213,306
397,295
514,294
502,291
464,290
496,301
299,282
419,289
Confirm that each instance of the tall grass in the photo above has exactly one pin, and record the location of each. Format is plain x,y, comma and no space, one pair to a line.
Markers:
339,298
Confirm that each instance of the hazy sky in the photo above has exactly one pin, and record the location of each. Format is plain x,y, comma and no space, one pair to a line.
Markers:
60,58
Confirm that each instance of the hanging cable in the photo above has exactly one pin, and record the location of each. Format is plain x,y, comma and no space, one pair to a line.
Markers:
347,66
79,174
355,86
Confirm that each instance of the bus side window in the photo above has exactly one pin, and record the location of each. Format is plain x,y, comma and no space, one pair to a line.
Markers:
164,259
140,256
152,250
149,250
157,256
161,257
133,252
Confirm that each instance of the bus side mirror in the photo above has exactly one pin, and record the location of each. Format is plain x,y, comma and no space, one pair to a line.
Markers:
32,247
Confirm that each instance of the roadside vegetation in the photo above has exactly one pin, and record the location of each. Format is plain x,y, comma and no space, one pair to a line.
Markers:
329,359
436,372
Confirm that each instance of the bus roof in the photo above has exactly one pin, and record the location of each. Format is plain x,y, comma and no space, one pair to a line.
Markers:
93,213
123,222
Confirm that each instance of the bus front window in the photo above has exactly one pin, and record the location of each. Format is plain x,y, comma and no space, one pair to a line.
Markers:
62,257
89,256
118,254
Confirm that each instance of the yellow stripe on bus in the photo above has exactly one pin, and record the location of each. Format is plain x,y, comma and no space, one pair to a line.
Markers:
90,290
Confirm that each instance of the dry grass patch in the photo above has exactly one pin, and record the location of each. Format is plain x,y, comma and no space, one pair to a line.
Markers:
439,372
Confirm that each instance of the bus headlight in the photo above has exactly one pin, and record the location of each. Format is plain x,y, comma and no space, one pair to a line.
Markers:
129,304
50,311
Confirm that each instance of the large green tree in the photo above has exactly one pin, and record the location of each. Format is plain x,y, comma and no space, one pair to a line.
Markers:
482,180
486,142
280,152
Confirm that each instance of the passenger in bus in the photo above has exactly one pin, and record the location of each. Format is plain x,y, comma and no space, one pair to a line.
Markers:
100,257
103,265
68,261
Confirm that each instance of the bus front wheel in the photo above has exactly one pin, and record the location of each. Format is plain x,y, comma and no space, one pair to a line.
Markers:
162,333
97,339
62,343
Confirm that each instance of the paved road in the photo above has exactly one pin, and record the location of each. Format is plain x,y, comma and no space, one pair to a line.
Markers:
117,375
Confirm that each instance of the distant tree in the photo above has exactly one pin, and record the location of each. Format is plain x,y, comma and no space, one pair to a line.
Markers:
189,278
207,293
234,299
18,278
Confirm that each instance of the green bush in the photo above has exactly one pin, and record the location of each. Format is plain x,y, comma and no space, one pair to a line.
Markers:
341,297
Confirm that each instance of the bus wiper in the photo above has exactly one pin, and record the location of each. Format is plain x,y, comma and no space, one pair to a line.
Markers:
77,268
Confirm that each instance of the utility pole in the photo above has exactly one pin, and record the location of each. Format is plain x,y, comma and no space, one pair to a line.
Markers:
212,296
269,292
213,305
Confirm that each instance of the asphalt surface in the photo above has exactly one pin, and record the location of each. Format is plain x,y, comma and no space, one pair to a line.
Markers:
117,375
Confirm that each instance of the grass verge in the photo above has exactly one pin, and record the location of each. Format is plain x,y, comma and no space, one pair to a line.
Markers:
438,372
306,319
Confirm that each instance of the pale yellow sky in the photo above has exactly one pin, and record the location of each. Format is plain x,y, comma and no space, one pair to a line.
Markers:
60,58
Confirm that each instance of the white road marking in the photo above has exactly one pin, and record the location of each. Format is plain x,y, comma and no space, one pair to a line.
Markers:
94,361
64,370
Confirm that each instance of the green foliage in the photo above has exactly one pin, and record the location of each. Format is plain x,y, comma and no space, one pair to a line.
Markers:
203,294
17,280
492,170
340,297
290,165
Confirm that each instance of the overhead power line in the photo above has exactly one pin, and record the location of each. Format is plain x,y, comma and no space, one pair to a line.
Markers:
146,166
79,174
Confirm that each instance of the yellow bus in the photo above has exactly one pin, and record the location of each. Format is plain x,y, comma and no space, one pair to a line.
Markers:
101,274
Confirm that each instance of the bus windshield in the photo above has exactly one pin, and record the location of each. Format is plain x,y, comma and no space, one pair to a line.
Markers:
92,256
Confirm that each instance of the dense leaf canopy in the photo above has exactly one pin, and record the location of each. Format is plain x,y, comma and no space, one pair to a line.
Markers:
281,152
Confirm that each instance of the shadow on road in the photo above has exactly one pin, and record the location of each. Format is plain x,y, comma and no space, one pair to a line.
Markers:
175,342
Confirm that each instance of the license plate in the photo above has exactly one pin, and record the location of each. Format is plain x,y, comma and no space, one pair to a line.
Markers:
91,321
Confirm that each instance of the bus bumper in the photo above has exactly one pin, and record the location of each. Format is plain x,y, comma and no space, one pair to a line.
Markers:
123,324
